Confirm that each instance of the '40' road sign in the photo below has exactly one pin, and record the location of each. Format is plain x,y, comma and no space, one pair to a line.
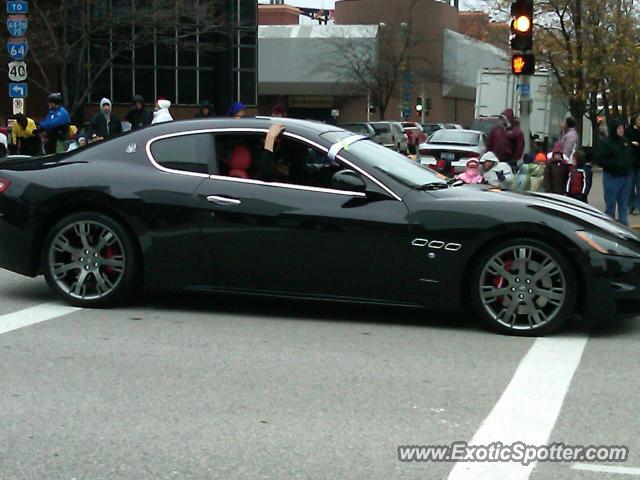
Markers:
17,25
17,48
17,6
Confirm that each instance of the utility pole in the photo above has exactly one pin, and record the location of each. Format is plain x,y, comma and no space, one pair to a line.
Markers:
523,61
525,110
423,113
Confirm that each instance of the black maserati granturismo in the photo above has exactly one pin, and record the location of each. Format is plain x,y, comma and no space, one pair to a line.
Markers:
187,205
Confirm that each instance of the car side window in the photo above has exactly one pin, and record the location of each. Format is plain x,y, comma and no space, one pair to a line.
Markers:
293,162
185,153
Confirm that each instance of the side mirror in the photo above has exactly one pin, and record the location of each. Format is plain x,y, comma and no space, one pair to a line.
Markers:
348,180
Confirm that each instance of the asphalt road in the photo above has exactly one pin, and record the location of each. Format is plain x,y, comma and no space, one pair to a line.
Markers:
198,387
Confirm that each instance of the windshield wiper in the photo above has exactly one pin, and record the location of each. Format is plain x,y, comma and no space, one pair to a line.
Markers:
434,186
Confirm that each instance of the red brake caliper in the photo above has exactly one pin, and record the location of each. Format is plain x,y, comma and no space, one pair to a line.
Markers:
109,253
498,280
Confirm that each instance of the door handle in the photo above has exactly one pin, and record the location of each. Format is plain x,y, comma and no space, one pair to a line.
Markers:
224,201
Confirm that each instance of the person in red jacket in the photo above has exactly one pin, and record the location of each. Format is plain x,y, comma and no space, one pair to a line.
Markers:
506,140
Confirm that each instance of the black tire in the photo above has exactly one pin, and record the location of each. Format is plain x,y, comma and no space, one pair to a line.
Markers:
114,274
505,302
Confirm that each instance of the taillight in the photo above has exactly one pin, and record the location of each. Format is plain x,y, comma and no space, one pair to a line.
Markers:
4,184
424,152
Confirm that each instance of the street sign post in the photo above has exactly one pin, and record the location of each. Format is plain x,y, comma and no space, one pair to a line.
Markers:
17,25
17,6
17,71
18,106
17,48
18,90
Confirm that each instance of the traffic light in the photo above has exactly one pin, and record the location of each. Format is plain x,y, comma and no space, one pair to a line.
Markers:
419,105
521,37
523,64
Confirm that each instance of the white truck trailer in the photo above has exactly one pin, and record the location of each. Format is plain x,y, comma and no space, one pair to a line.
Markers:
499,89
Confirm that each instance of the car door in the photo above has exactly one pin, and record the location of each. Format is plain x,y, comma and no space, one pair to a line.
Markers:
304,238
173,244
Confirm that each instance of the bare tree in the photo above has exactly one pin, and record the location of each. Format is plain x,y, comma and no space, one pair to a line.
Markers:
68,31
592,47
401,49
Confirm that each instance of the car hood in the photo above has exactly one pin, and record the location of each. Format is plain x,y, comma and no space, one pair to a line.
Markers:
583,215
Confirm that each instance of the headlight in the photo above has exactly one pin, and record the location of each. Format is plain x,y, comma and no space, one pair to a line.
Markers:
605,245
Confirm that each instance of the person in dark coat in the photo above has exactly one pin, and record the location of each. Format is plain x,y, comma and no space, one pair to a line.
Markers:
506,140
138,116
104,123
633,135
616,159
556,172
206,110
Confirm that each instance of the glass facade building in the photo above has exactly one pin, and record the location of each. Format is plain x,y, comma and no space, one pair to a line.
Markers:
184,50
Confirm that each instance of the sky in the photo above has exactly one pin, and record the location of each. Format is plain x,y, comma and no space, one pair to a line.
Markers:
464,4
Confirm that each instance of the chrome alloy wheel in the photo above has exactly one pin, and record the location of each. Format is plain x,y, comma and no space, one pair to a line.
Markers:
86,260
522,287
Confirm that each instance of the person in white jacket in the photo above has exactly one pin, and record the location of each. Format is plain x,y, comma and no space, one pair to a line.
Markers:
496,173
162,114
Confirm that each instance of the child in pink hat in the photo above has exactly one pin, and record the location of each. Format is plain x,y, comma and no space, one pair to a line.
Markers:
471,173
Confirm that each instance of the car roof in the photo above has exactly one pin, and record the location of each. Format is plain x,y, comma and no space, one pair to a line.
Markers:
460,130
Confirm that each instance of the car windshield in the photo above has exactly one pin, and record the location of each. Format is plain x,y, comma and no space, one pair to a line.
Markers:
357,128
455,137
380,128
397,166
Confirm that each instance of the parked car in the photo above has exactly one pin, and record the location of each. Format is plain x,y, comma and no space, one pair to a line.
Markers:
430,128
415,134
455,146
362,128
393,135
172,207
485,124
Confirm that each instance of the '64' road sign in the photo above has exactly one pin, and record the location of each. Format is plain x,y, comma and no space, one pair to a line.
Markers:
17,25
17,48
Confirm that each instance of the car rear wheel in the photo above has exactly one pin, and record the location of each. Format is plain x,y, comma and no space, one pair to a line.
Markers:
523,287
90,260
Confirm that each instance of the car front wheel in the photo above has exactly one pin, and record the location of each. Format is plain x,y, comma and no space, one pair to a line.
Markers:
90,261
523,287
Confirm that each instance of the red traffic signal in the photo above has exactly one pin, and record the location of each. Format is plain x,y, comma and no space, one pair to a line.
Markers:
521,25
523,64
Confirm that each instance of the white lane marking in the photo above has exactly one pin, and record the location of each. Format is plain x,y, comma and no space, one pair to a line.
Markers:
29,316
590,467
528,408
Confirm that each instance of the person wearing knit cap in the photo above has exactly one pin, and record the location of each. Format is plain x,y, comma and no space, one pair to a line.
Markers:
556,171
104,123
237,110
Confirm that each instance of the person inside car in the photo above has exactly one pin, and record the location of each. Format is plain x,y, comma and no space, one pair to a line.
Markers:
271,164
